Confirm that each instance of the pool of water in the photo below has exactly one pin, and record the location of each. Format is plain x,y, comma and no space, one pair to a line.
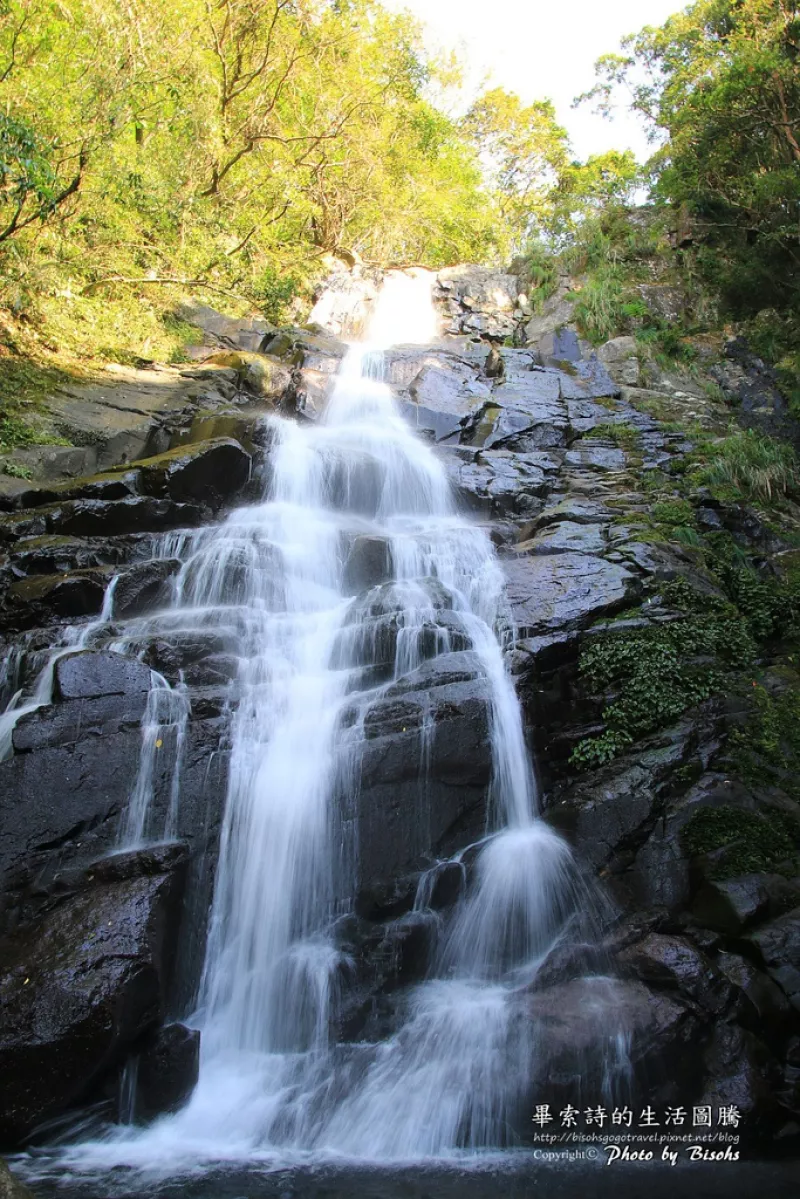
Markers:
520,1178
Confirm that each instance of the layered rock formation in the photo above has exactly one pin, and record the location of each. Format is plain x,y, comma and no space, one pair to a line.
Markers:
555,458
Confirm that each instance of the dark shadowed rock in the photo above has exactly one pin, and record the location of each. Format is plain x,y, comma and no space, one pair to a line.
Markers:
79,987
210,472
109,486
167,1071
739,1070
675,962
144,586
766,999
401,816
110,518
778,944
43,598
56,794
578,1028
728,905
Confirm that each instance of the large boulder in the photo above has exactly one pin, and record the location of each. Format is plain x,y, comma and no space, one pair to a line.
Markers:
444,396
236,333
551,592
778,944
94,672
580,1027
440,716
264,375
478,301
75,761
210,472
83,984
167,1071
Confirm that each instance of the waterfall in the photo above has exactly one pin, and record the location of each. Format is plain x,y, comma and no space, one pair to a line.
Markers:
272,578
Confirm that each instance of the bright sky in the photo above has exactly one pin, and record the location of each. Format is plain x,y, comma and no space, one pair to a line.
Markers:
541,48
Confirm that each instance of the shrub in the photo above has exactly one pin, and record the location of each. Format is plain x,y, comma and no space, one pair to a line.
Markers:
753,464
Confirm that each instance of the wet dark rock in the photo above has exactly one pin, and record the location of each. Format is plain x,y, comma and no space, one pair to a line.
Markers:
167,1071
28,523
52,554
144,586
109,486
459,667
210,472
78,720
215,669
778,945
43,598
409,943
386,899
740,1071
729,905
578,1027
80,987
106,518
665,961
767,1005
369,563
183,650
99,672
401,817
610,815
53,796
444,885
564,591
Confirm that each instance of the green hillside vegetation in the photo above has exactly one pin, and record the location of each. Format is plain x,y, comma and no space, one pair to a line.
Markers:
226,148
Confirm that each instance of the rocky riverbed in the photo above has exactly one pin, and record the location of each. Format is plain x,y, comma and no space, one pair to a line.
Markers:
573,466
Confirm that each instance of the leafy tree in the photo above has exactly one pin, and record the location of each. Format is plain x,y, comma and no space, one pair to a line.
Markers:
719,86
523,150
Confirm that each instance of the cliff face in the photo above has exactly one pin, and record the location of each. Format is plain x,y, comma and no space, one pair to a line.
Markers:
656,608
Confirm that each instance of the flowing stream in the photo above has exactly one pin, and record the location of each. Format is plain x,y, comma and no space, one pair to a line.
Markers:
272,578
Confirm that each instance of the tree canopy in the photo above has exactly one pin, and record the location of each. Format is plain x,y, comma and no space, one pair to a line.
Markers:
719,87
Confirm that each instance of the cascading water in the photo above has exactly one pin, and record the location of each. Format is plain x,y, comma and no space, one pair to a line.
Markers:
271,581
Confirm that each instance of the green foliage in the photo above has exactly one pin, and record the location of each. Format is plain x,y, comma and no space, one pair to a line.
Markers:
653,675
666,340
770,607
524,151
754,841
625,436
753,465
599,306
273,293
15,432
766,749
674,511
537,269
720,81
16,471
219,150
